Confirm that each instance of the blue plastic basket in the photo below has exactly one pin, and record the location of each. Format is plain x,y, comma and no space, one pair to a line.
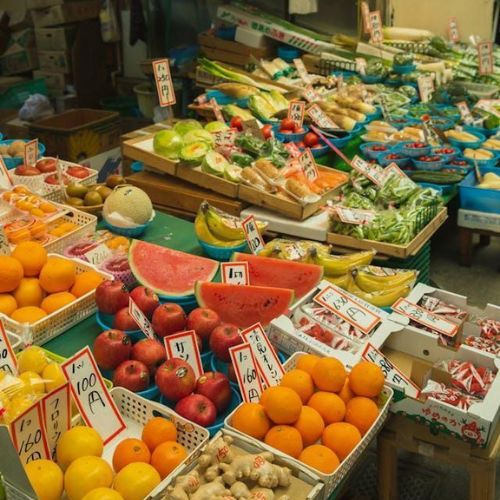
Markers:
371,78
317,152
222,98
446,157
479,199
442,123
464,144
150,393
440,188
428,165
415,152
221,253
129,232
487,132
367,151
340,142
492,162
11,163
289,137
105,321
403,69
384,161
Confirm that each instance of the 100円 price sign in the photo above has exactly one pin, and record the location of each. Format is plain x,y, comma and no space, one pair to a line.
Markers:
164,85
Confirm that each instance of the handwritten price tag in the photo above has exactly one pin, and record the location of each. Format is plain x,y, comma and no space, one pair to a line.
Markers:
252,234
292,148
5,180
31,152
183,345
309,94
268,363
453,33
28,435
393,169
424,317
56,409
319,117
485,56
365,13
246,371
302,71
97,408
217,111
360,65
4,242
235,273
8,360
464,112
376,27
98,254
391,373
141,320
225,137
425,87
164,86
373,172
296,111
342,304
306,160
355,216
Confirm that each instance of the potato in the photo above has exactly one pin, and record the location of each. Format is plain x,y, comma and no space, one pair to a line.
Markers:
16,148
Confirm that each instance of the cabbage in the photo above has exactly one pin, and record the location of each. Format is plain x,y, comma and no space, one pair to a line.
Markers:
168,143
216,126
197,136
184,126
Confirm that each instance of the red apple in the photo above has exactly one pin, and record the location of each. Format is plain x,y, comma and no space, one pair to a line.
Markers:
215,386
131,374
175,379
202,320
111,296
199,342
54,180
123,320
197,408
150,352
27,171
78,172
222,338
46,165
168,318
111,348
147,301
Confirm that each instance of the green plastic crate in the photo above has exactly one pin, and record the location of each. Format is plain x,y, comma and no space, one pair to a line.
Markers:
19,92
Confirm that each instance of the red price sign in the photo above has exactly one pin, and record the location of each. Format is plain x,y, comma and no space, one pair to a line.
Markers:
485,55
31,152
183,345
252,234
309,94
377,35
453,33
98,254
393,169
225,137
164,86
296,111
8,360
247,373
306,160
235,273
217,111
373,172
5,180
320,118
355,215
302,71
292,148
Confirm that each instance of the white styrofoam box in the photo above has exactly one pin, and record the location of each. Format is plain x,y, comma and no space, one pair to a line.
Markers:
478,220
250,38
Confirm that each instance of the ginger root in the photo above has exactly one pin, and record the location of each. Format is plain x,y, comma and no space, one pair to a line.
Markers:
210,491
216,452
188,483
240,490
262,494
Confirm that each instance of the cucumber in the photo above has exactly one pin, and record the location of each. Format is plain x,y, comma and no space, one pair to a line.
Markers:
435,177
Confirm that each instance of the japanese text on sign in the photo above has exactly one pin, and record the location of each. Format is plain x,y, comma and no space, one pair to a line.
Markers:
91,395
302,71
268,364
217,111
31,152
225,137
453,33
245,368
464,111
485,56
391,373
28,435
319,117
5,180
252,234
98,254
296,112
365,13
376,27
8,360
292,148
309,94
373,172
183,345
139,317
164,86
355,215
424,317
306,160
4,243
235,273
56,408
425,87
340,303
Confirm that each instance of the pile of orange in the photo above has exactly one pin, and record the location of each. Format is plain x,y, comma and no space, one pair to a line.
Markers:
318,414
33,285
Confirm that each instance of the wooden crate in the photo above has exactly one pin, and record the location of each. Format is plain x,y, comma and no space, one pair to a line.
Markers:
208,40
194,175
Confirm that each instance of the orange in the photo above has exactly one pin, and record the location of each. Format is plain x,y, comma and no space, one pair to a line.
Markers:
28,314
310,425
55,301
29,293
341,437
8,304
361,412
57,275
86,282
46,478
11,273
345,393
307,362
32,256
158,430
366,379
128,451
282,405
286,439
251,419
167,456
320,457
328,405
136,481
47,208
86,474
329,374
300,381
79,441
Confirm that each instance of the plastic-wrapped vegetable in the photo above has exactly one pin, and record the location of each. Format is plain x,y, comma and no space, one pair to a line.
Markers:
403,59
355,200
260,107
396,190
241,159
376,68
250,144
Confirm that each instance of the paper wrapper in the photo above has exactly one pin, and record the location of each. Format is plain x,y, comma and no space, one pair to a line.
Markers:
450,395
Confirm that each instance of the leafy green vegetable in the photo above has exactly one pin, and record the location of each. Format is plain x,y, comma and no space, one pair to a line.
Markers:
403,59
376,68
260,107
233,110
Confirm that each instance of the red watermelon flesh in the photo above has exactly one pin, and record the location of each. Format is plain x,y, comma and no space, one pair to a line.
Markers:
266,271
244,305
169,272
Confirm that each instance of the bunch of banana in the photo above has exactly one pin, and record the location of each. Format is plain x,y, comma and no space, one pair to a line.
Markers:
294,250
338,266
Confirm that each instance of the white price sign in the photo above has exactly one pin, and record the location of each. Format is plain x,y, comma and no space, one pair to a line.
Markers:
391,373
96,406
296,111
225,137
393,169
56,408
309,94
355,215
31,152
424,317
217,111
360,65
292,148
464,112
302,71
268,363
235,273
98,254
5,180
247,373
8,360
365,13
377,35
342,304
318,116
252,234
306,160
164,86
453,33
425,87
373,172
142,322
4,242
485,56
183,345
28,435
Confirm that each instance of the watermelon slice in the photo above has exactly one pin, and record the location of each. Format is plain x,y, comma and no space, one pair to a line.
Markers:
244,305
266,271
169,272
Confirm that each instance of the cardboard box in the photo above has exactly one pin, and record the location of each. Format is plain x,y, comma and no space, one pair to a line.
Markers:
56,82
60,38
58,61
478,220
20,55
42,4
66,13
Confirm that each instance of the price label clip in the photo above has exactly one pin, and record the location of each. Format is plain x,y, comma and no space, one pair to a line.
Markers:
184,345
247,374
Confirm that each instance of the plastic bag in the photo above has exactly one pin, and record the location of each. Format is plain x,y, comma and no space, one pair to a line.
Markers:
36,106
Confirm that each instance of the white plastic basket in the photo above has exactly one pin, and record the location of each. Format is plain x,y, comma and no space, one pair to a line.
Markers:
333,480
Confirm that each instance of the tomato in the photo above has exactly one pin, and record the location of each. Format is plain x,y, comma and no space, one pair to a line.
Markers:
393,156
267,131
311,139
379,148
236,122
300,145
298,130
287,124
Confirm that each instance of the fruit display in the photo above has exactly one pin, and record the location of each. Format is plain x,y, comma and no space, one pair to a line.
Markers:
28,203
127,207
82,195
490,181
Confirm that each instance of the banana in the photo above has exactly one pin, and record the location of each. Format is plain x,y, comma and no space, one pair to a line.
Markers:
203,233
338,265
372,283
341,281
380,299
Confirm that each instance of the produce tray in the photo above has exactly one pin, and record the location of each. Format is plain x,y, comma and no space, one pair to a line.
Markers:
479,199
390,249
195,176
347,465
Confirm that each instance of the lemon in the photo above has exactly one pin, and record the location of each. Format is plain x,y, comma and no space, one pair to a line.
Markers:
103,494
136,480
19,404
78,442
33,381
32,359
53,376
86,474
46,478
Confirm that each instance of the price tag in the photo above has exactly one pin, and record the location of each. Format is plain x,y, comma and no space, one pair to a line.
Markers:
302,71
318,116
425,87
365,13
393,169
31,152
246,371
342,304
296,112
385,109
5,180
424,317
489,105
306,160
164,86
225,137
268,363
360,65
28,435
98,254
453,33
373,172
183,345
252,126
485,56
309,94
141,320
56,410
235,273
217,111
252,234
376,27
391,373
292,148
355,215
8,360
4,242
464,112
95,404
